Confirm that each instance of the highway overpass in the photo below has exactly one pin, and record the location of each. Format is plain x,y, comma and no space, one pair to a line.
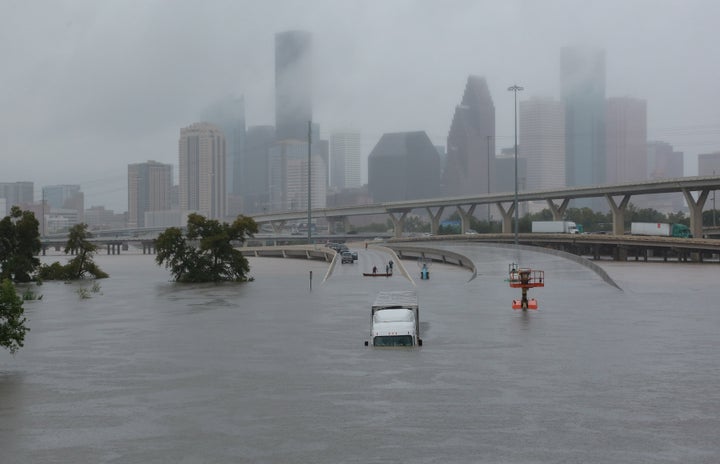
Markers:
696,191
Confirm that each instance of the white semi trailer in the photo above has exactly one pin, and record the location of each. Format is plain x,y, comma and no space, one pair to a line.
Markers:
554,227
395,319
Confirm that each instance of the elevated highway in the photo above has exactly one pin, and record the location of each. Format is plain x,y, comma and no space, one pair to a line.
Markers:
695,190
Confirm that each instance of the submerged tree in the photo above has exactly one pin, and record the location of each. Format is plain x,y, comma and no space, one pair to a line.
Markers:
206,253
12,321
19,245
81,265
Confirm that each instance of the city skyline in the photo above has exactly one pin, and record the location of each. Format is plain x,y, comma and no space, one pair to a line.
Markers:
69,97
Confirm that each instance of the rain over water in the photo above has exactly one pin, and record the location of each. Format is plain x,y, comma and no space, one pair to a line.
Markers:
150,371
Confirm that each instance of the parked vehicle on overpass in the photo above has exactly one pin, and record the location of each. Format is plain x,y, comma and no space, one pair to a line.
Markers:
554,227
660,229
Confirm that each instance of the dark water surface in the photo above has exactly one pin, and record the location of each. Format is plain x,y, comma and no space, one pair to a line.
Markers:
149,371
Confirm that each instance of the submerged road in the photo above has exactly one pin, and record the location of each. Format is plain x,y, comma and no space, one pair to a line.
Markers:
149,371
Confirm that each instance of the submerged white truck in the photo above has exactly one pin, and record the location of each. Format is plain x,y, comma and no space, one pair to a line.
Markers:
395,319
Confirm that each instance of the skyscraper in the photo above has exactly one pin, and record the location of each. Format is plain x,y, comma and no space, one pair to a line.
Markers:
345,159
542,138
16,194
582,82
293,84
625,140
149,189
709,164
229,115
663,162
202,170
471,142
258,141
288,177
403,166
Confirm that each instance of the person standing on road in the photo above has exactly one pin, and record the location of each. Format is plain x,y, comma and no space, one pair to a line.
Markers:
390,264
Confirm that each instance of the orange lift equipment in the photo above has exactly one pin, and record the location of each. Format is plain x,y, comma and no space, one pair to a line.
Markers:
524,279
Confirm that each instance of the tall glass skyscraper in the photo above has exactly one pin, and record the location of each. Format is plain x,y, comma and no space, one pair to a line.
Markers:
471,142
229,115
293,84
582,82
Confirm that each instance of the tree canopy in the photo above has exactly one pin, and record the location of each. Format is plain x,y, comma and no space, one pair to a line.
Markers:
19,245
12,321
81,265
206,252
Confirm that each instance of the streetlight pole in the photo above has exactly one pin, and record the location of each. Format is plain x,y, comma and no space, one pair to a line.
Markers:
515,88
488,182
309,218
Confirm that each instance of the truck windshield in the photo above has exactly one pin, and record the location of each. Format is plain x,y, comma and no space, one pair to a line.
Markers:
393,340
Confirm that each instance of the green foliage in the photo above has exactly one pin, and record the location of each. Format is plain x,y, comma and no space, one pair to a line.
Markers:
19,245
206,253
81,265
29,295
12,321
83,293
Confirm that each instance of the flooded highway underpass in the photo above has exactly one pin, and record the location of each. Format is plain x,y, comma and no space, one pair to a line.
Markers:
149,371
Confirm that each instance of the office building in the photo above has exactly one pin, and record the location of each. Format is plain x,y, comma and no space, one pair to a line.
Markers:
709,164
258,141
471,143
662,162
403,166
202,170
293,84
288,177
229,115
149,190
65,197
542,138
625,140
345,159
16,194
582,82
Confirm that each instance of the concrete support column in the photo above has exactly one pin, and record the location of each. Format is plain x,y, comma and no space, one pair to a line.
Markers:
278,226
398,222
558,212
108,248
346,224
435,219
465,217
696,208
618,212
507,216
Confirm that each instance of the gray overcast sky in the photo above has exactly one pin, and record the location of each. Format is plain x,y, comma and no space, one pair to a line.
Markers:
90,86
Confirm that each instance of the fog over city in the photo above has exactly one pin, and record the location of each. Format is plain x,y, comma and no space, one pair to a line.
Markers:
90,86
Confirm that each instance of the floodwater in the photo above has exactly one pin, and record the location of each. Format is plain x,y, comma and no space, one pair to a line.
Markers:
150,371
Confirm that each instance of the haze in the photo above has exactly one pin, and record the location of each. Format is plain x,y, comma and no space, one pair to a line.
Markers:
88,87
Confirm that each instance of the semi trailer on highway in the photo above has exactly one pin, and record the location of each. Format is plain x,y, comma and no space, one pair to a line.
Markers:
660,229
395,319
554,227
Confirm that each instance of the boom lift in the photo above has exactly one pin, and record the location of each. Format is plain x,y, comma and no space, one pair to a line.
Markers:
524,279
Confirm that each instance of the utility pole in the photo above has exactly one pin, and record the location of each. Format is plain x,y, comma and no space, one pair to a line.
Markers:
488,183
515,88
309,218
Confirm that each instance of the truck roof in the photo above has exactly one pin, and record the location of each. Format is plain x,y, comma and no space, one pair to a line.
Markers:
402,298
394,315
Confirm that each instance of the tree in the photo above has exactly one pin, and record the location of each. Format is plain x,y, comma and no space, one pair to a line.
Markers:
12,322
19,245
206,253
82,264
